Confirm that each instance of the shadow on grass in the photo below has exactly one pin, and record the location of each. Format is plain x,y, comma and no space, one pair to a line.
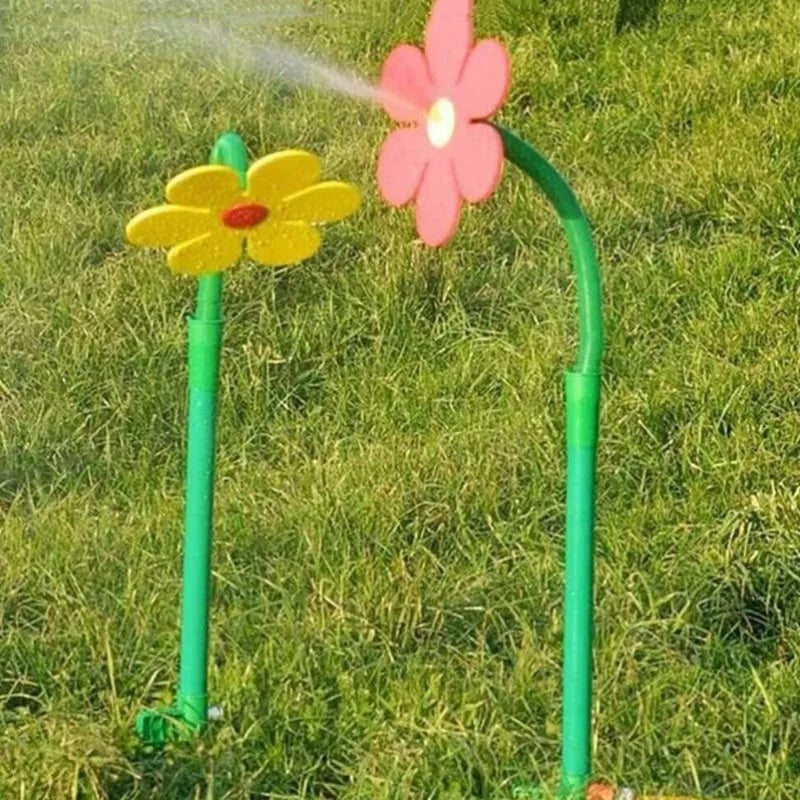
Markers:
5,26
160,775
635,14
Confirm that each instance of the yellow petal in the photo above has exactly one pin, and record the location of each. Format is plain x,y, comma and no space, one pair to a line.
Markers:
279,244
325,202
212,186
212,252
164,226
273,177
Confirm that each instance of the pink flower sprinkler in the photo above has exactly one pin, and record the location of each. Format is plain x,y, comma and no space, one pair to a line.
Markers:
447,153
450,153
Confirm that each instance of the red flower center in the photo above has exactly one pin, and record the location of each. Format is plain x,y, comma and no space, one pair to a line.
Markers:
244,215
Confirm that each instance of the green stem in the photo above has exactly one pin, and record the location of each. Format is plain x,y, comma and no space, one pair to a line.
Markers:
579,236
205,338
582,388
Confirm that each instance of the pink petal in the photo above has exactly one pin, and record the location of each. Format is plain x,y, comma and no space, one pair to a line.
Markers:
438,203
478,159
401,162
484,82
448,38
405,85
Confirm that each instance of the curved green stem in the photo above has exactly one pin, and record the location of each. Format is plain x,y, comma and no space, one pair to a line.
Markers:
579,236
582,387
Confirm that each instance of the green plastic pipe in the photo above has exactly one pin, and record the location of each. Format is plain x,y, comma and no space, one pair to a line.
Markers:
582,389
205,338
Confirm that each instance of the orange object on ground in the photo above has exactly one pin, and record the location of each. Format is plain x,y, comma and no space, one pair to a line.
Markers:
605,791
599,791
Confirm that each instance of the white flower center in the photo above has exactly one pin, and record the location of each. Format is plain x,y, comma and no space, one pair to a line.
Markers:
441,122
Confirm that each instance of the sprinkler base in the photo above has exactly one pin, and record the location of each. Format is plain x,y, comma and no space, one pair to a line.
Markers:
156,727
594,791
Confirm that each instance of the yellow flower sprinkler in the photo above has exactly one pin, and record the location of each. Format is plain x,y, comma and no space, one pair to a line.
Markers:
271,211
211,215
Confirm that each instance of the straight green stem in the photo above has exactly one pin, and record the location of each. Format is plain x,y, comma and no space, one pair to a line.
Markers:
582,390
205,340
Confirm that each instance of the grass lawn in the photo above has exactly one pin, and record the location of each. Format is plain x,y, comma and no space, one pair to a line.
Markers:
389,538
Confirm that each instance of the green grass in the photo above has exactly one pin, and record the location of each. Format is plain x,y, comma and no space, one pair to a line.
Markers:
387,574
